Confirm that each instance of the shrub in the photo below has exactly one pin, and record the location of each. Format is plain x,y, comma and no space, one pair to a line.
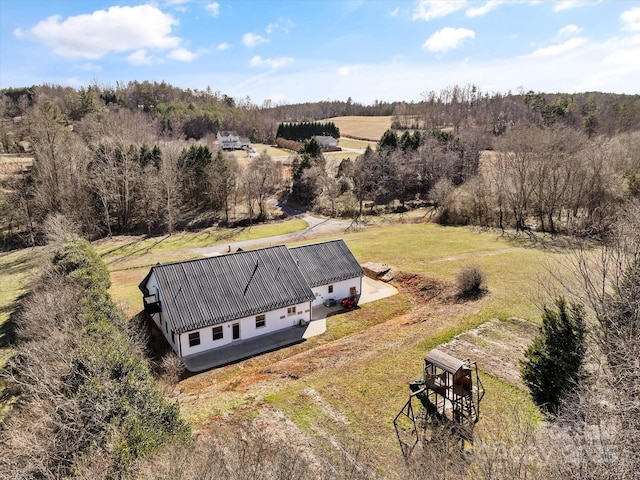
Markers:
470,281
172,368
99,408
552,363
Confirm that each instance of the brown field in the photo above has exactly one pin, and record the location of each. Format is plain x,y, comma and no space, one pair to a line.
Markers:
369,128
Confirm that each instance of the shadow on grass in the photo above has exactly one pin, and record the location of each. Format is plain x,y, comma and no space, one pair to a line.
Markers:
472,295
8,328
135,252
539,240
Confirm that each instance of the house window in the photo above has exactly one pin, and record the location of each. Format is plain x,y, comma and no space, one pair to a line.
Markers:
194,339
260,321
218,333
330,288
291,311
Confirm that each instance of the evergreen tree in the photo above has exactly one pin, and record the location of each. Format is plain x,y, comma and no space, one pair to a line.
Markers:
552,364
312,148
389,141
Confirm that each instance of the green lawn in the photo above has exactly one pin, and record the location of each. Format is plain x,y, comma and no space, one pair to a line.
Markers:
516,273
371,391
358,144
129,258
16,271
260,148
356,398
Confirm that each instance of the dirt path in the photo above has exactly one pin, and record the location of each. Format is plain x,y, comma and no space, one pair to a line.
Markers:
315,226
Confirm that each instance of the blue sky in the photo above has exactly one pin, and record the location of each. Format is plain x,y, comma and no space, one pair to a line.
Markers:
303,50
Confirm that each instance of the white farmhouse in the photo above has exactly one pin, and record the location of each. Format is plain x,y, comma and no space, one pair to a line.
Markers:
219,309
228,140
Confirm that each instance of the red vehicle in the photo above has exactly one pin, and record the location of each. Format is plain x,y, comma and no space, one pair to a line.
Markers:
348,302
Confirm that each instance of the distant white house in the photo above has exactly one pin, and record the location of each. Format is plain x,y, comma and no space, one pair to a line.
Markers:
228,140
208,304
326,141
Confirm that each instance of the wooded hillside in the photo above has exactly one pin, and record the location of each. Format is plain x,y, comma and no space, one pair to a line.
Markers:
123,160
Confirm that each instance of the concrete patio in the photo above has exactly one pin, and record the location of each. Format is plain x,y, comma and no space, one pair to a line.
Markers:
372,290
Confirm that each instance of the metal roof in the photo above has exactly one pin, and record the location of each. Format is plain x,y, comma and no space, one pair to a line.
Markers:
327,262
444,361
205,292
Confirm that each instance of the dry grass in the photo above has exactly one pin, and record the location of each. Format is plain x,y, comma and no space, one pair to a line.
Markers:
370,128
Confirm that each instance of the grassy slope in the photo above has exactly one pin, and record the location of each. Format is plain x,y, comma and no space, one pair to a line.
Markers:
16,271
372,390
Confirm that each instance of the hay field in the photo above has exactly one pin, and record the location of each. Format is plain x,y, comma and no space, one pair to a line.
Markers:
369,128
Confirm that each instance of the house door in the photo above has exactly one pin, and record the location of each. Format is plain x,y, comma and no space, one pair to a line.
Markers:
235,334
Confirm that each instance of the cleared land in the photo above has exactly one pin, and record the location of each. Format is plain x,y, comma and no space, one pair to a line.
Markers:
341,390
369,128
346,386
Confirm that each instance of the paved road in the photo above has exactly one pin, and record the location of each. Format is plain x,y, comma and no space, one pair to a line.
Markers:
315,225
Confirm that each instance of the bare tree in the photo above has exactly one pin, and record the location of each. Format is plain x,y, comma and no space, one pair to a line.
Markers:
262,178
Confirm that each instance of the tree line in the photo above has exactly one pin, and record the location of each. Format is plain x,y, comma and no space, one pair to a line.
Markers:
302,131
110,174
400,170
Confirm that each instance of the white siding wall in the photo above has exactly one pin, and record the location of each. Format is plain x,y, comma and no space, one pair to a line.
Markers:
274,320
340,290
161,319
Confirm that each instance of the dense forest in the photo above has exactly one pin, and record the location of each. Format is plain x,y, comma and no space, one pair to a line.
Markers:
141,157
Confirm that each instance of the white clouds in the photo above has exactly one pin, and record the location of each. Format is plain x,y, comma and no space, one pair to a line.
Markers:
560,48
348,70
284,24
251,39
484,9
272,63
447,39
89,67
213,8
631,19
223,46
569,30
118,29
394,12
182,55
429,9
567,4
140,57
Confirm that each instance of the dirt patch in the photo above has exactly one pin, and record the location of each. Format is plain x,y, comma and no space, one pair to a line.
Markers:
496,345
426,289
